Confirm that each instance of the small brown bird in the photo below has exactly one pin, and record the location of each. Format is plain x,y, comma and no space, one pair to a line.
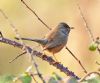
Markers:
55,40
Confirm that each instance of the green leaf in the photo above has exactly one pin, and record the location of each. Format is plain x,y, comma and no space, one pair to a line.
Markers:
52,80
94,80
26,79
93,47
57,76
72,80
6,78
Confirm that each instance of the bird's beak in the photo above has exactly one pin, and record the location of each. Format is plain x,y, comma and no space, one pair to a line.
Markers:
72,28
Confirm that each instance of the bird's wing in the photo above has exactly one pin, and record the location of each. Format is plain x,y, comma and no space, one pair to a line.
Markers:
56,40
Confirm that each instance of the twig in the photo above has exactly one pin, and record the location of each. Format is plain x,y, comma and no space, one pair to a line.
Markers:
24,46
36,15
36,67
28,72
86,24
40,55
17,57
76,59
12,25
32,75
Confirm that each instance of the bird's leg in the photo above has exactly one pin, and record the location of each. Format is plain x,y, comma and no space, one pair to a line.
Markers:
43,52
55,58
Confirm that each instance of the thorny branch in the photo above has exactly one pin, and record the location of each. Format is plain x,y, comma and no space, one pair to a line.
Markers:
36,15
40,55
24,46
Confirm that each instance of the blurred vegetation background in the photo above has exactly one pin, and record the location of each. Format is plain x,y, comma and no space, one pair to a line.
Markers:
51,12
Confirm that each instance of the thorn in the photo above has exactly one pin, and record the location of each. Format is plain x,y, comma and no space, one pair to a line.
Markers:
1,34
17,57
97,38
16,38
97,63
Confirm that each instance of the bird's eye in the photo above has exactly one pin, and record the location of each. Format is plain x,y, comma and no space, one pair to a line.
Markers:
63,31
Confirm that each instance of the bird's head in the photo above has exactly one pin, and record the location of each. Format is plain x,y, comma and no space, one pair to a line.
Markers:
64,27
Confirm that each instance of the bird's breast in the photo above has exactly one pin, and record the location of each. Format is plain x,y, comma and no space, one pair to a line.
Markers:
55,49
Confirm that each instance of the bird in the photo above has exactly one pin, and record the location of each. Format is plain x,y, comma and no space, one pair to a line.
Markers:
55,40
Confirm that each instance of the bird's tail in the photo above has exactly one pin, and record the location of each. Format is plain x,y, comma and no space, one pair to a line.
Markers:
40,41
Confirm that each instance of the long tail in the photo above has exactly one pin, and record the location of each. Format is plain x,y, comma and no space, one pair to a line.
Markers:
40,41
